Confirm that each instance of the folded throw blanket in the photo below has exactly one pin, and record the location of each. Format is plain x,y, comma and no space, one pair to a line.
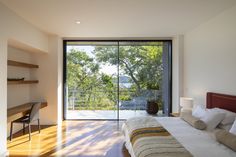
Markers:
150,139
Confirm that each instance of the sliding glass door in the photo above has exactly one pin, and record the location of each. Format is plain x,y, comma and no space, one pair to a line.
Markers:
115,79
141,71
91,81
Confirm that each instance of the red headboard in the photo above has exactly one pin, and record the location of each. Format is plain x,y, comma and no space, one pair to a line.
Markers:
223,101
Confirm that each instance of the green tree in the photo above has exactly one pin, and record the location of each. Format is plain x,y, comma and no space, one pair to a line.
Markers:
143,64
82,70
96,90
86,84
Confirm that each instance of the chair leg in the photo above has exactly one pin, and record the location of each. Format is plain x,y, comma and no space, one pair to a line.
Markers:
29,129
11,131
23,128
39,125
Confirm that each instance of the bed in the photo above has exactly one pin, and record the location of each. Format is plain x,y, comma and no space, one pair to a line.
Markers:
199,143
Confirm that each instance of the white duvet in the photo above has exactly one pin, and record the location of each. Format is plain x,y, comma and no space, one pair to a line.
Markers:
199,143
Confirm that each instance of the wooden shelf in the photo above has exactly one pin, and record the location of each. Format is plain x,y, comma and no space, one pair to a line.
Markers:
23,108
21,64
23,82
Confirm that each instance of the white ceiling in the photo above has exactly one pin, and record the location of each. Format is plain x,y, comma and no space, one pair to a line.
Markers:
117,18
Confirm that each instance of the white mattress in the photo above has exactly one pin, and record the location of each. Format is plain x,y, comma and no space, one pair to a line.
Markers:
199,143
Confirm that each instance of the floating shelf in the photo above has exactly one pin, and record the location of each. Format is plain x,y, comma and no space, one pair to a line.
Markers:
23,108
23,82
21,64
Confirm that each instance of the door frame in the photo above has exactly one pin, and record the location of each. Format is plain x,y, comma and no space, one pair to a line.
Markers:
169,105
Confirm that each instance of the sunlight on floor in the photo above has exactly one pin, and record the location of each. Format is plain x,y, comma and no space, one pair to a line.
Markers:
73,138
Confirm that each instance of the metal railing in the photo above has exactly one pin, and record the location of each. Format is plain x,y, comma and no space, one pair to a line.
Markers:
100,100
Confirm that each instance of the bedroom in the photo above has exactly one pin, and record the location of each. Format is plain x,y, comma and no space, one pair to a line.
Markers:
202,33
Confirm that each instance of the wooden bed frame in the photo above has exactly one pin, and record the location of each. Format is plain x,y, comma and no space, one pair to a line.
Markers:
227,102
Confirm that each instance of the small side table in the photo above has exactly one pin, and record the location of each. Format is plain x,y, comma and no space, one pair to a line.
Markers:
175,114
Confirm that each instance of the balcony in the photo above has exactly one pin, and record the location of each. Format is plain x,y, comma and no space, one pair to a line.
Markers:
100,107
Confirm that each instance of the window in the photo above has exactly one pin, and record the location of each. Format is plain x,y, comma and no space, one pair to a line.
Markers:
115,79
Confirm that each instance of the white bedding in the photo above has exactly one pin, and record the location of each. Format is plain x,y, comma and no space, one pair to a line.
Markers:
199,143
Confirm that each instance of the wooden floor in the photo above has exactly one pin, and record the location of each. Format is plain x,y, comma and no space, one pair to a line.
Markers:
73,139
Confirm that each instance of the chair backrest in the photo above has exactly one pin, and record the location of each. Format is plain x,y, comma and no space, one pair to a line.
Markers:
34,113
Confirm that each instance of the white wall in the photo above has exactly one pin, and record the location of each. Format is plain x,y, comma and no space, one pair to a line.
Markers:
210,57
13,27
177,71
59,50
3,95
18,94
49,87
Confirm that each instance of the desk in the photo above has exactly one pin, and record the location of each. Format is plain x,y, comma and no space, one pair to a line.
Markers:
22,109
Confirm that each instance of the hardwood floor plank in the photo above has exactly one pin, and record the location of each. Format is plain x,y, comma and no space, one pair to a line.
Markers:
72,138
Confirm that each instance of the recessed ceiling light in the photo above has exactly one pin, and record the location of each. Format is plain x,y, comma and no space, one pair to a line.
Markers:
77,22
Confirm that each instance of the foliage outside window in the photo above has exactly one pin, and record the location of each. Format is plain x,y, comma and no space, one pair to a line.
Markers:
140,66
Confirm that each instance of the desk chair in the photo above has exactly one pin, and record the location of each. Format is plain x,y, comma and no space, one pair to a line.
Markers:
28,119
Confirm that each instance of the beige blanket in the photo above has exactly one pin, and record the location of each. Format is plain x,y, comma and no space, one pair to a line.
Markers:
150,139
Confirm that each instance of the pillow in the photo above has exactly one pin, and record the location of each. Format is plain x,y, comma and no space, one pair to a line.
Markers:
199,112
212,118
229,116
195,122
233,128
226,127
226,138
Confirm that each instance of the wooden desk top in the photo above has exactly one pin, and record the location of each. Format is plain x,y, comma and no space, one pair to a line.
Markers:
24,108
